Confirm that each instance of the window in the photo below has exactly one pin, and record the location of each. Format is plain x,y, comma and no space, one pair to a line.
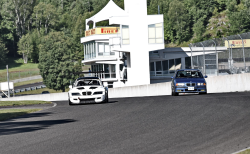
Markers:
125,34
177,63
158,66
104,49
152,66
187,62
171,66
155,33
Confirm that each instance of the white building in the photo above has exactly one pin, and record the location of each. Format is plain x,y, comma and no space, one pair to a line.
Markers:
131,50
122,50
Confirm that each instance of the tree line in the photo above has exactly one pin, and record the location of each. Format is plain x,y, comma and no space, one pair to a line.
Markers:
34,29
25,23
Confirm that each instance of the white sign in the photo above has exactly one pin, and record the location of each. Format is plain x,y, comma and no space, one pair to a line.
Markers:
4,86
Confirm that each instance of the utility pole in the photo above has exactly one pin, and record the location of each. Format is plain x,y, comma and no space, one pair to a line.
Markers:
8,81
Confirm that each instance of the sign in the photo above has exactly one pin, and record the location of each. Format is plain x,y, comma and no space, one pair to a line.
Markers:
4,86
102,30
237,43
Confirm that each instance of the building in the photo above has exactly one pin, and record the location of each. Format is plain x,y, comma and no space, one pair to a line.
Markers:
122,49
131,50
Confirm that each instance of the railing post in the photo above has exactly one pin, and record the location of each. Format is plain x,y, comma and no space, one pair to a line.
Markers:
217,72
243,53
204,65
191,56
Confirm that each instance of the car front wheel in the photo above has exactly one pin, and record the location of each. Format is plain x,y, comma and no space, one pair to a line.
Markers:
174,93
70,103
106,97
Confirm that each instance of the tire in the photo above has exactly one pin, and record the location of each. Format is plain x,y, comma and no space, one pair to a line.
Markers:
174,93
203,93
107,97
70,103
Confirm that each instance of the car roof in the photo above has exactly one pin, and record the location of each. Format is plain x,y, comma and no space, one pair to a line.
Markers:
82,78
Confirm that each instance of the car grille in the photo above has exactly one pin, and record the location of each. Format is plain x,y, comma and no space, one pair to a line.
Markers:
190,84
86,93
91,100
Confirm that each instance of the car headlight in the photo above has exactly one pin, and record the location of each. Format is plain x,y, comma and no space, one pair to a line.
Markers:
75,94
180,84
201,84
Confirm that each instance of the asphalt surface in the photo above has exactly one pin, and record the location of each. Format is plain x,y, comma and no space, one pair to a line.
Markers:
187,124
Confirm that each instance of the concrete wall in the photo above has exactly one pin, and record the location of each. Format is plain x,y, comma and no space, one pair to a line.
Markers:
217,84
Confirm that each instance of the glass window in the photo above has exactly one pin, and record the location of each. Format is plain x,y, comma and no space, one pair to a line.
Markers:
171,66
177,63
155,33
106,68
107,47
101,47
125,34
158,66
188,62
165,65
152,66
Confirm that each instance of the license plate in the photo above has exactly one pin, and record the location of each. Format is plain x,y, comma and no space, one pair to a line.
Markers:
190,88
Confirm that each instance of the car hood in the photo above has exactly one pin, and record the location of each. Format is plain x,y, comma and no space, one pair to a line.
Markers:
197,80
87,88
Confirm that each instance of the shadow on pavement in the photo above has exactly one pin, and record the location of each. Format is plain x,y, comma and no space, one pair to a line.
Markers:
12,127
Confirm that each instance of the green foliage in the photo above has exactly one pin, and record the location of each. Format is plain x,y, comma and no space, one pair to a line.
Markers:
3,53
57,61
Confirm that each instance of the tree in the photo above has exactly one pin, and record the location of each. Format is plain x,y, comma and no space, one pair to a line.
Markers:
3,53
25,47
57,61
45,16
179,20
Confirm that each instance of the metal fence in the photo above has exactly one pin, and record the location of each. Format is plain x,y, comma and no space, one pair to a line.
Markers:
234,59
18,74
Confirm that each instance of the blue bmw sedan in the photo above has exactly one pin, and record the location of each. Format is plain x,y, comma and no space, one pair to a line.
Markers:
188,81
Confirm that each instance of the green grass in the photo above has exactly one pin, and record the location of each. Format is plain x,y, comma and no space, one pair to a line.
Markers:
28,82
17,69
245,152
39,91
6,114
21,103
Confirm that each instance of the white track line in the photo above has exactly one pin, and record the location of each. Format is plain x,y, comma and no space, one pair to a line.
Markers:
54,105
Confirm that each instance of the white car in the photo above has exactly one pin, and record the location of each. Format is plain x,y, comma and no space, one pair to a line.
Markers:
87,90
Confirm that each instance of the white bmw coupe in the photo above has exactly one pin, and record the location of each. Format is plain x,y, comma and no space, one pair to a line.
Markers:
87,90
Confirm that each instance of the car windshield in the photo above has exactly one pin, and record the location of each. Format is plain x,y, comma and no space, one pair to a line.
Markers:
189,74
88,83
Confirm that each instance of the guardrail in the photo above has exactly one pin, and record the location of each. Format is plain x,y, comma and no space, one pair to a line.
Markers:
25,89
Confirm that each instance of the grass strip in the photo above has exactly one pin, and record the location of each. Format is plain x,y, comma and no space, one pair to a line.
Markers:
28,82
245,152
22,103
6,114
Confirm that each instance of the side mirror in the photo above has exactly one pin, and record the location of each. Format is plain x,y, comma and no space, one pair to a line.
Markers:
70,87
205,76
172,77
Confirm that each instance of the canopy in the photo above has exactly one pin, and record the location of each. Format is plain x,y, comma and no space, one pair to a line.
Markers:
111,9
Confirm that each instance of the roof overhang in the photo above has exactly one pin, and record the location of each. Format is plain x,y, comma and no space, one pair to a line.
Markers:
99,59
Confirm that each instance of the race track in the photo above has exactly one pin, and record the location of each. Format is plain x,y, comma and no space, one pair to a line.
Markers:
186,124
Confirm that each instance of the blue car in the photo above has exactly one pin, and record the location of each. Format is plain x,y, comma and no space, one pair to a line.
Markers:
188,81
